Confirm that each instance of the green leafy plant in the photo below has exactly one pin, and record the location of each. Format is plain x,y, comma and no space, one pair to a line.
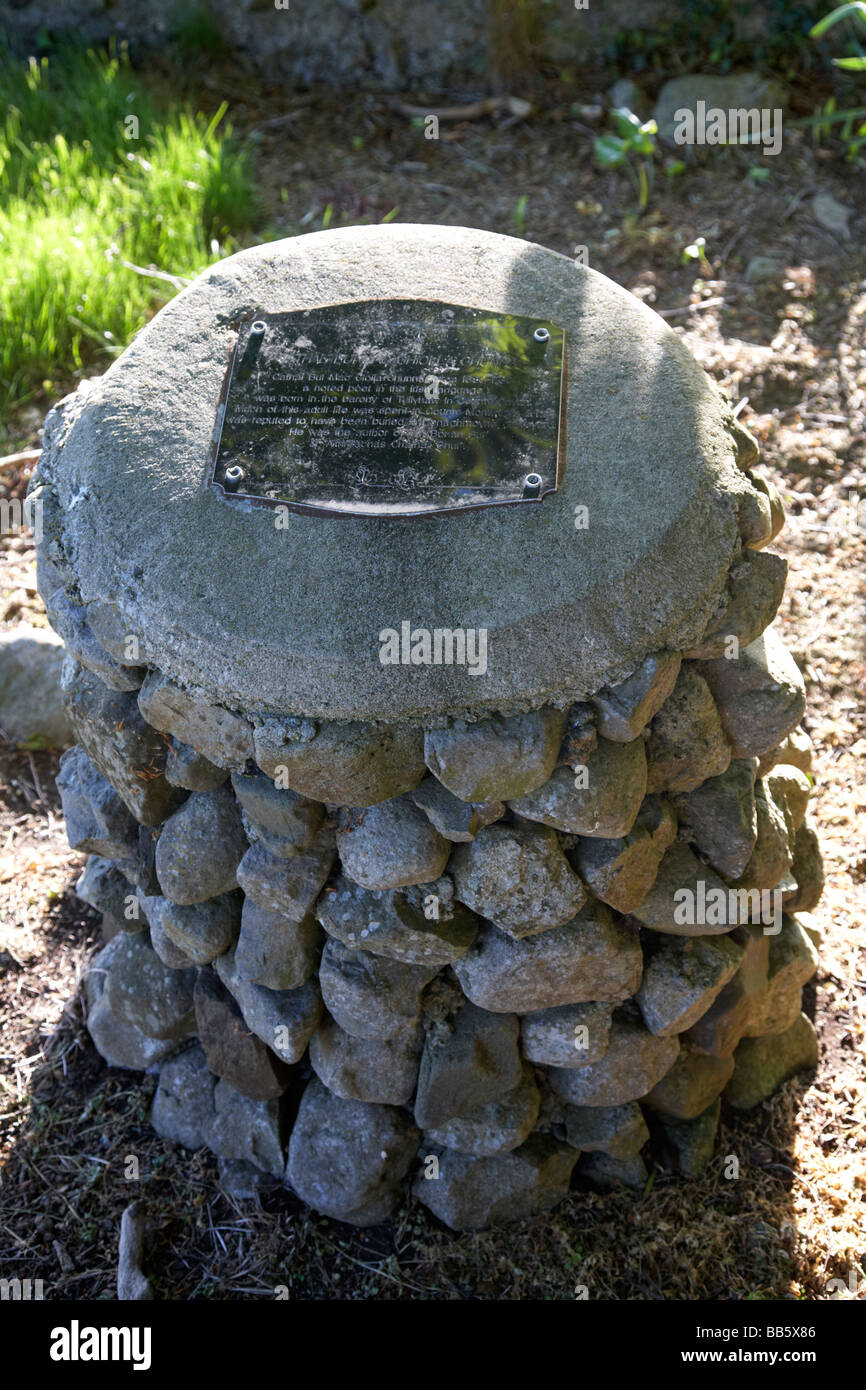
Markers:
631,146
853,130
518,215
856,9
695,254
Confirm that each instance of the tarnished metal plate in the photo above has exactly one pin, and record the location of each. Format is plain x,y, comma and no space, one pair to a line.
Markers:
391,407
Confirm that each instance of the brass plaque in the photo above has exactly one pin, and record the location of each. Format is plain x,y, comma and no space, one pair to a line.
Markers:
391,408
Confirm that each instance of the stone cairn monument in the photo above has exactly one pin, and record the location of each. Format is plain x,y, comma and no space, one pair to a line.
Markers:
440,774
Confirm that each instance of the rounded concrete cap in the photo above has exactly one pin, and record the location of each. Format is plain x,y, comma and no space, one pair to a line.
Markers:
270,620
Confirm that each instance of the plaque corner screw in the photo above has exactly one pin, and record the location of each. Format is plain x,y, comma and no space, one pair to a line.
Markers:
532,485
233,478
541,335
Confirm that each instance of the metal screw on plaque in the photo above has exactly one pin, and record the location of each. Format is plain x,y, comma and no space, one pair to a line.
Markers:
541,335
532,485
257,326
233,478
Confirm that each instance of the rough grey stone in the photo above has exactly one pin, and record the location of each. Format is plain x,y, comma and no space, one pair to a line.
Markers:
169,953
730,91
284,1020
344,763
617,1130
621,871
274,951
623,710
772,856
634,1062
283,820
626,95
420,926
132,1283
248,1130
200,848
109,927
673,443
222,737
201,931
591,958
807,868
119,1043
183,1107
756,583
602,798
719,1030
31,702
694,1081
458,821
497,1127
793,960
683,979
767,496
383,1071
391,845
755,517
681,885
760,695
469,1193
232,1051
518,877
581,735
496,759
765,270
748,451
108,891
288,886
146,994
371,996
572,1035
694,1140
347,1159
242,1180
686,742
794,751
790,788
395,48
468,1061
113,633
186,768
97,822
832,214
127,751
762,1064
608,1172
142,870
812,927
69,621
720,816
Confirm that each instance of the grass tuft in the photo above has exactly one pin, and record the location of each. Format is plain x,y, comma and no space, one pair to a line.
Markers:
99,189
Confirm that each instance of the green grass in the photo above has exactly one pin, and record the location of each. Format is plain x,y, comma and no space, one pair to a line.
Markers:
83,191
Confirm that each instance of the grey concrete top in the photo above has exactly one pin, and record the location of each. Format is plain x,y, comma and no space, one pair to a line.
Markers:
288,620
